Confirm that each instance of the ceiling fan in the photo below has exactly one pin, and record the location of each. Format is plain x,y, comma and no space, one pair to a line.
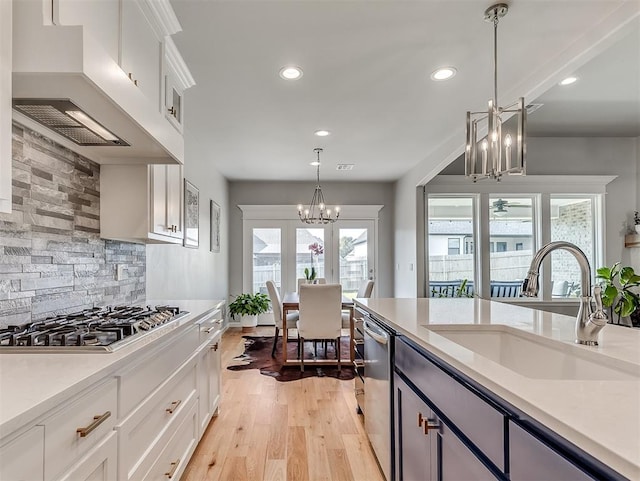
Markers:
499,207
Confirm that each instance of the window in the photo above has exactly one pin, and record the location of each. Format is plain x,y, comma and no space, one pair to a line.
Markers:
453,246
572,219
499,232
450,225
267,258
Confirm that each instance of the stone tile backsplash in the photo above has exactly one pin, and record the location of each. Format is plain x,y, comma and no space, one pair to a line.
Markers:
52,259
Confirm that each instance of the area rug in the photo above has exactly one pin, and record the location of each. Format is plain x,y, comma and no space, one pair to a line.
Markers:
257,355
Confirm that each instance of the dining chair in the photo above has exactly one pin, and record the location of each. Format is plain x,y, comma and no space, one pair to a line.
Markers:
320,316
276,306
364,292
302,280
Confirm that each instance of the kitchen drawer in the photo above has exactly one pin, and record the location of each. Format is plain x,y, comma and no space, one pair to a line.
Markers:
179,444
98,465
478,420
141,429
209,326
150,371
95,412
22,459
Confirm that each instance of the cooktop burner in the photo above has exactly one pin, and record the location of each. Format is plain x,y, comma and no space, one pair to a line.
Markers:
102,329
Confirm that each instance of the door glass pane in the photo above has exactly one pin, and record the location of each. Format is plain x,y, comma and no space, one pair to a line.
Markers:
310,251
572,221
451,265
511,243
267,258
354,268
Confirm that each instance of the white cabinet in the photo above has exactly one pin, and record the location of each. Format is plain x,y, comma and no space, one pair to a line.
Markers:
99,464
140,203
176,79
209,381
140,50
107,56
5,105
22,458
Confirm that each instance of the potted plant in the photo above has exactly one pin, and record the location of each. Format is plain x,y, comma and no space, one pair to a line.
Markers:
248,307
310,275
620,292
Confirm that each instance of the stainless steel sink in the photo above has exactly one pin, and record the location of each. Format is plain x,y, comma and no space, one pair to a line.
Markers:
537,357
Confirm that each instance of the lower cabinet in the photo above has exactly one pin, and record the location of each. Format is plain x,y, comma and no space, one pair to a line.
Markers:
426,448
139,422
448,427
99,464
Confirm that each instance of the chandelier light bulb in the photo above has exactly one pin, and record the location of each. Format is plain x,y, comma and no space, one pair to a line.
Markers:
507,141
485,145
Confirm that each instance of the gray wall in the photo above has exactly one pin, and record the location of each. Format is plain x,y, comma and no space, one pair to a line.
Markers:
176,272
51,257
293,193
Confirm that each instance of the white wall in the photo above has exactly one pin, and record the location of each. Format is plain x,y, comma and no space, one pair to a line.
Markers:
293,193
176,272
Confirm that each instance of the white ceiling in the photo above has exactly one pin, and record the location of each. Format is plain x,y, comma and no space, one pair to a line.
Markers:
366,79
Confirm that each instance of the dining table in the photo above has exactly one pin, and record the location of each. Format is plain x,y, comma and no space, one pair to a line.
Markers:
291,302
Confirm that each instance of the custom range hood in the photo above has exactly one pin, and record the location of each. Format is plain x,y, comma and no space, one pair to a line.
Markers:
68,84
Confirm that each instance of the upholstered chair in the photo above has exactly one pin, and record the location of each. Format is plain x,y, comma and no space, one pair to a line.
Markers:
364,292
276,306
320,316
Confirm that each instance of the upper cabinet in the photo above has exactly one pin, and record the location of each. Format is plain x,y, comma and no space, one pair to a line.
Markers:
109,58
5,106
176,79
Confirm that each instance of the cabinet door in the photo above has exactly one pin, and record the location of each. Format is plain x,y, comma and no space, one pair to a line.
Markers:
415,451
173,99
23,458
215,380
166,200
456,462
140,51
174,199
99,464
532,460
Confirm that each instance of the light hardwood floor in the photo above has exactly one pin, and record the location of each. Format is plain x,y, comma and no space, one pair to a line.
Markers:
291,431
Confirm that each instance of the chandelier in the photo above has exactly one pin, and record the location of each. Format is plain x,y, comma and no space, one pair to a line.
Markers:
501,149
317,212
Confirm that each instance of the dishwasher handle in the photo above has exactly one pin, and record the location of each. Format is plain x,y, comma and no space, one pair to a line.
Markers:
381,338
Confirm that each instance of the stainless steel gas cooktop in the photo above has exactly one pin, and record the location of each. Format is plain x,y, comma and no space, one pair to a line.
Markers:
100,329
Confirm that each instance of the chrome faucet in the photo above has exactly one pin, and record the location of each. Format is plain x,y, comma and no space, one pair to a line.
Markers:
588,323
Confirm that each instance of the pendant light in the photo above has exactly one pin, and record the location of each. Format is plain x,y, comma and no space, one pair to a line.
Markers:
501,149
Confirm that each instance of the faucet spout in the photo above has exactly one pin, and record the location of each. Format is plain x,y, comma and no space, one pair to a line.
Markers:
588,323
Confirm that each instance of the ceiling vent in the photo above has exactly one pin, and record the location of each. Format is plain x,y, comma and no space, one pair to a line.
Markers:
533,107
345,166
67,119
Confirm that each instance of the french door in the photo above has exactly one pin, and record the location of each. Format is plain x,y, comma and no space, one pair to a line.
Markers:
281,250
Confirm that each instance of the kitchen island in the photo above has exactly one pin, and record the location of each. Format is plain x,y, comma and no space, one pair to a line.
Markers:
595,411
47,401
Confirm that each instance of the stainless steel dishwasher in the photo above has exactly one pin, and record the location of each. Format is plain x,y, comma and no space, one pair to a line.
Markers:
378,346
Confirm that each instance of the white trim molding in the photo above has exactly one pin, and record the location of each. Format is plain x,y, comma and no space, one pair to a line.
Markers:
288,212
538,184
177,64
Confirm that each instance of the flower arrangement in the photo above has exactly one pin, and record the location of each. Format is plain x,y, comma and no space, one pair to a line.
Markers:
317,249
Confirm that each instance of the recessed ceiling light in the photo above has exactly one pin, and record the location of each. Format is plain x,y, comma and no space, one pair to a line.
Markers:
443,73
569,81
322,133
290,72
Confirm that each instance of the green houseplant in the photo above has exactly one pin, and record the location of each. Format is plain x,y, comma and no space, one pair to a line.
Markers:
620,292
248,307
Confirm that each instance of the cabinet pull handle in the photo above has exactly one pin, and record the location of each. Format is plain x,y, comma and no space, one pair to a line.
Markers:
420,420
430,424
172,111
358,364
173,407
97,421
358,391
215,347
135,81
169,474
358,342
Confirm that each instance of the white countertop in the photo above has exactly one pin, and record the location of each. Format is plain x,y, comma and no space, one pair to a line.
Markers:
34,383
601,417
